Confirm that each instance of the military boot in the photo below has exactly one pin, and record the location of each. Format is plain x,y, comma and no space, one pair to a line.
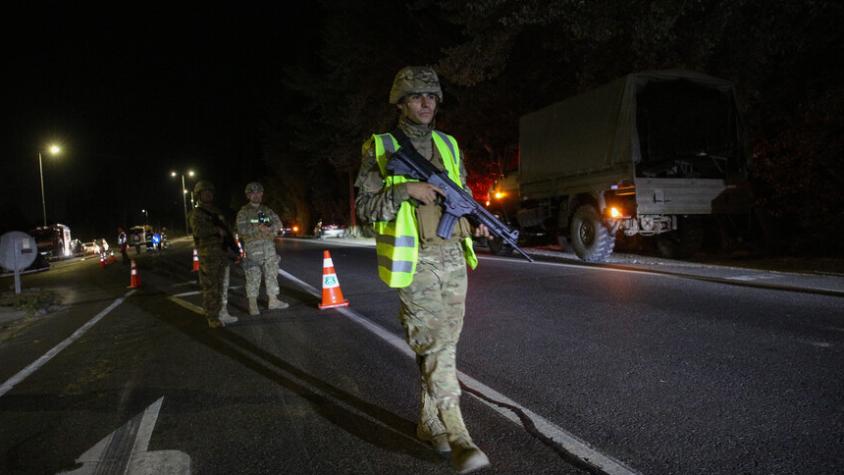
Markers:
224,312
225,318
433,432
276,304
465,455
430,428
253,307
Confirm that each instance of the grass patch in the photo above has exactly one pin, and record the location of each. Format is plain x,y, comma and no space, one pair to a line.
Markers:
31,301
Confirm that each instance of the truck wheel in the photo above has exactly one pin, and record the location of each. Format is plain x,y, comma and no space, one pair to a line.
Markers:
685,241
498,247
590,239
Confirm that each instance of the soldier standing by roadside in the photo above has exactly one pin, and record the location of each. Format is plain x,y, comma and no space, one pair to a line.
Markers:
429,272
211,236
257,227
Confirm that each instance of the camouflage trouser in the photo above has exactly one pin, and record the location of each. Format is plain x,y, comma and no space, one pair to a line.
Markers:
212,266
224,295
432,310
261,257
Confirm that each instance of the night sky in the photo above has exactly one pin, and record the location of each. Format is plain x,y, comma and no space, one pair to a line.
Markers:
130,97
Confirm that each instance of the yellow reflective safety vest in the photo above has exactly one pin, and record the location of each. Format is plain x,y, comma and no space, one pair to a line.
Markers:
397,241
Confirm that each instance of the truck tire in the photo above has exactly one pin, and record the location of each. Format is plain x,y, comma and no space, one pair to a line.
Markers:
498,247
684,242
590,239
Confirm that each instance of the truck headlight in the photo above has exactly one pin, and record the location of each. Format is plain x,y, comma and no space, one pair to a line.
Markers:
616,212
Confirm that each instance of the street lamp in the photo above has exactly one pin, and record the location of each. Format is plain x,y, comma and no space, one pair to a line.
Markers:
184,194
53,150
146,216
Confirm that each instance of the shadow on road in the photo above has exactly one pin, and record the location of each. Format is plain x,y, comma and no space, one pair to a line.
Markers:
357,417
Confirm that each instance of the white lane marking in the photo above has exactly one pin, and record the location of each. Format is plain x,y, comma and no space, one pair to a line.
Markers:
37,364
571,443
330,242
565,439
816,344
575,266
184,303
748,281
197,292
750,277
114,454
185,294
195,308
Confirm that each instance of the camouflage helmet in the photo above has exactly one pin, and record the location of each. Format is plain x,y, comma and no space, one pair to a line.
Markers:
203,185
254,187
415,80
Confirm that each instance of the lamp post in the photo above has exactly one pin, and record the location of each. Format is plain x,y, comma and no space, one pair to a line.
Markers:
184,195
146,216
54,150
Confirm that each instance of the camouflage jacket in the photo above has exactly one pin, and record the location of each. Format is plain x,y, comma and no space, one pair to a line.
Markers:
205,229
248,223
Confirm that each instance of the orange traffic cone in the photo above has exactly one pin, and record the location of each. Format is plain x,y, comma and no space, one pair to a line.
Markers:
135,279
195,262
332,296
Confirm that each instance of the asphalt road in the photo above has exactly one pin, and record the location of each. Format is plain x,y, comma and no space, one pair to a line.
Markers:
567,369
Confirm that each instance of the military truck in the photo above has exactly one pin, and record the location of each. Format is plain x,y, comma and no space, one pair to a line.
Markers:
54,241
651,154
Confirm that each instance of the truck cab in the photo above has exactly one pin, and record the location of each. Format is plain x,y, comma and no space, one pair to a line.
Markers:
54,241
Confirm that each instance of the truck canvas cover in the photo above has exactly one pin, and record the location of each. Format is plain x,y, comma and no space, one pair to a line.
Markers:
688,114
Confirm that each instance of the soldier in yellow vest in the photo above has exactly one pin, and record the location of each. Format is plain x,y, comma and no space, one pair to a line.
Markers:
430,272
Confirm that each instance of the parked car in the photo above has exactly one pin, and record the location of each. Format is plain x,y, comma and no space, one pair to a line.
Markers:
332,231
90,248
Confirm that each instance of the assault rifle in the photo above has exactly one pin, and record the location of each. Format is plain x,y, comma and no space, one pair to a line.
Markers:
406,161
229,242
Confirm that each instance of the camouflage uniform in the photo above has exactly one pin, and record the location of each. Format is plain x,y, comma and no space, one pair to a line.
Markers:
212,258
259,246
433,305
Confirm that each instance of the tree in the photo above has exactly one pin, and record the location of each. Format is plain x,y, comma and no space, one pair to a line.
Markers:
343,97
499,59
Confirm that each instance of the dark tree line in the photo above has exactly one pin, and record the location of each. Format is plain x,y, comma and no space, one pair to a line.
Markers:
499,59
